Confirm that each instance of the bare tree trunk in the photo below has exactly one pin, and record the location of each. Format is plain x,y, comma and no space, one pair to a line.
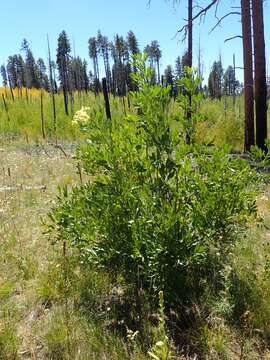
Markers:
158,71
200,67
190,32
234,82
248,74
260,73
42,114
189,58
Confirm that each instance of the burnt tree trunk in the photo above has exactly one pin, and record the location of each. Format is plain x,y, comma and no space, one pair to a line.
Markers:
189,57
190,32
248,74
260,73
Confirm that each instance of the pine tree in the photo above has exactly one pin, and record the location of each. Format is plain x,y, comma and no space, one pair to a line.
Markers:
151,59
4,75
156,53
120,55
178,68
133,49
93,54
169,79
42,75
63,60
104,50
12,71
21,71
85,84
230,83
215,83
132,43
31,70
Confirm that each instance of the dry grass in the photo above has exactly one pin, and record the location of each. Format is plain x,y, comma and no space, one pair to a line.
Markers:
24,251
36,320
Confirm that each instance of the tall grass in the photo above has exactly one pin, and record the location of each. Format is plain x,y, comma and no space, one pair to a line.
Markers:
224,122
23,120
33,300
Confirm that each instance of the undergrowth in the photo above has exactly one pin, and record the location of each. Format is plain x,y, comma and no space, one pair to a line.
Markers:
162,217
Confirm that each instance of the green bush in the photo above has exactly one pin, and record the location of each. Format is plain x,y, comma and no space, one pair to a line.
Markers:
162,214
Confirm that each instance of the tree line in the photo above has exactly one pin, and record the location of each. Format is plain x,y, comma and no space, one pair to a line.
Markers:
110,58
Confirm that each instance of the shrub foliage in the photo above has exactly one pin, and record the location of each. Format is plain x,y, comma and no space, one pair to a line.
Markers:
161,214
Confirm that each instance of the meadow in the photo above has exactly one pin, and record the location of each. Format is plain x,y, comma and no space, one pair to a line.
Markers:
22,121
53,305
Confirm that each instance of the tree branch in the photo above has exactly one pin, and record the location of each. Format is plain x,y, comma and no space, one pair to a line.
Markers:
234,37
200,14
222,18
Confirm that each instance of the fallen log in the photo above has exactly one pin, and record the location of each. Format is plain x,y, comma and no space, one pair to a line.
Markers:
22,188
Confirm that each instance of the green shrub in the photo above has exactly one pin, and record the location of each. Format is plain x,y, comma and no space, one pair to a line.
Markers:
161,214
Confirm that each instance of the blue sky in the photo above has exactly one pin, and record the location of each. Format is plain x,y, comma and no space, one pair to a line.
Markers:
33,19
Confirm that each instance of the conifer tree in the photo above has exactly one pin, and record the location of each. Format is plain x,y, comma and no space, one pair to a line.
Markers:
169,79
229,81
63,61
132,43
156,53
93,54
31,70
21,71
178,68
120,55
104,50
215,83
12,71
42,75
4,75
85,77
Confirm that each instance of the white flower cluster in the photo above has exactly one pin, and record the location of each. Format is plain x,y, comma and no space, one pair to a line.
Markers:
81,117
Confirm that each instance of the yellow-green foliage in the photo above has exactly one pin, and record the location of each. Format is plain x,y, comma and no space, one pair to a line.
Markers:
23,121
224,124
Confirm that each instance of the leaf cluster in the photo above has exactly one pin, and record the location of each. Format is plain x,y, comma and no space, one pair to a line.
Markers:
162,214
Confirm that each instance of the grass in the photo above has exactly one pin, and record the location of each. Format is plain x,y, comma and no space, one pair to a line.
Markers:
22,123
224,124
51,309
36,321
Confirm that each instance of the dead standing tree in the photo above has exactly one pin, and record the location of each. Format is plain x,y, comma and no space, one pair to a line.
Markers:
188,31
248,74
260,73
190,58
256,14
248,68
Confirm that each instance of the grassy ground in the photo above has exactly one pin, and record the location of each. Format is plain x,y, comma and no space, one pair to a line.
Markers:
50,309
25,253
38,318
22,121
